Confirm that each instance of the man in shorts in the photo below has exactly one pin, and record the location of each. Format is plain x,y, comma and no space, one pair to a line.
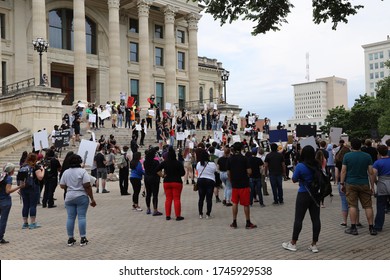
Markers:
239,170
354,181
100,162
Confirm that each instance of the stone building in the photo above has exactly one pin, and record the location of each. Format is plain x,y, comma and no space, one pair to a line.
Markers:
99,48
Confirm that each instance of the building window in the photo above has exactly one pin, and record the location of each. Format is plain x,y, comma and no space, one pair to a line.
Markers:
382,64
2,21
159,94
134,90
159,56
133,25
375,55
376,65
211,95
158,31
201,95
61,31
380,54
371,66
182,96
371,76
3,75
180,36
370,56
181,60
382,74
133,52
376,75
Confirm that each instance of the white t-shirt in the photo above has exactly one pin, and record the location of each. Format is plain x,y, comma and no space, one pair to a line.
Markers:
208,172
74,178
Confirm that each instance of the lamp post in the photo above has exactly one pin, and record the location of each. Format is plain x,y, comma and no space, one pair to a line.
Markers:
225,77
40,46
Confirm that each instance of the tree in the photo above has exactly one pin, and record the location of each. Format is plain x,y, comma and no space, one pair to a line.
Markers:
271,14
383,100
337,117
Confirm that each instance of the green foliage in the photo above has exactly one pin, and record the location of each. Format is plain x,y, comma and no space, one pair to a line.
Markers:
337,117
271,14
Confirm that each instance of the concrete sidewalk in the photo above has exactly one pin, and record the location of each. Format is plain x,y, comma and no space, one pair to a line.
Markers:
116,232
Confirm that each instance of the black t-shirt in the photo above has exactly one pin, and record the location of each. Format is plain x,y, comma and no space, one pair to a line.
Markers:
371,151
222,163
326,153
275,162
173,170
255,163
52,170
100,158
237,165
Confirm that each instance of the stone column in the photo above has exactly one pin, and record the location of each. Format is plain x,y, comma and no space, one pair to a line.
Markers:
114,49
170,54
39,30
80,52
1,65
192,20
144,49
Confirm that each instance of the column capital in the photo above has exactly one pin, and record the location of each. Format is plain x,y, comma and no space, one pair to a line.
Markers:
169,12
193,19
143,7
113,3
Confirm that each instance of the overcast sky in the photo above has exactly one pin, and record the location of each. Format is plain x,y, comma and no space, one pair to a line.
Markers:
263,68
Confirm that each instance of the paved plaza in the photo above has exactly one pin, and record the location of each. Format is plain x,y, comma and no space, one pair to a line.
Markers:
116,232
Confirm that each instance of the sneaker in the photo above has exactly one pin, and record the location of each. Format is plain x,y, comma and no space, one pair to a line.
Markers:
352,231
289,246
373,231
71,241
34,226
343,224
233,225
313,248
2,241
180,218
200,216
138,209
148,212
217,200
359,225
83,241
25,226
187,182
275,203
156,213
208,217
262,205
229,204
250,226
167,218
105,191
224,202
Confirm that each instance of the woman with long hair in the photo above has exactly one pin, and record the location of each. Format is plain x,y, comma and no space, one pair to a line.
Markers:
135,179
77,183
320,158
172,171
152,181
30,194
187,155
222,167
305,200
206,181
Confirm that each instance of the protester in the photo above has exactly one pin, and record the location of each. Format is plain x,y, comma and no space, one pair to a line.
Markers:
206,181
152,181
136,175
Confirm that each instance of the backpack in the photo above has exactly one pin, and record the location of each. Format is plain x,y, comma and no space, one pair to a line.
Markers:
121,162
321,184
25,177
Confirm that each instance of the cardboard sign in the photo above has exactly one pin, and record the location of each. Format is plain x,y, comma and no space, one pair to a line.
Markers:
180,136
92,118
236,138
279,135
215,107
187,132
221,117
310,141
191,145
138,127
335,134
218,136
87,151
260,135
41,140
105,114
265,145
62,138
384,139
151,113
168,106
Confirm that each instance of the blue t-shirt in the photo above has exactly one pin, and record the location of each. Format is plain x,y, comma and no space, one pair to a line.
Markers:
357,163
383,166
138,172
7,181
303,175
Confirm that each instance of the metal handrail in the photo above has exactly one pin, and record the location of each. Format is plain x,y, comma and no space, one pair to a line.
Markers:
198,104
11,88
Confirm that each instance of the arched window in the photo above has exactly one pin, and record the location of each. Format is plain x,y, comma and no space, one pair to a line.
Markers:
200,95
211,95
61,31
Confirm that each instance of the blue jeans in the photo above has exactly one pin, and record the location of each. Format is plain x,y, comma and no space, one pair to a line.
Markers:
30,197
119,121
381,203
343,198
77,207
255,184
228,185
276,185
5,208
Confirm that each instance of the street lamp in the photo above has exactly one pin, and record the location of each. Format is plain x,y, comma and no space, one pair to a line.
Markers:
40,46
225,77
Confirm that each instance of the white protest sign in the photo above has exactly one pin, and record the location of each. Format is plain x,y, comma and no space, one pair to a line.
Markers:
221,117
260,135
218,136
191,145
345,138
385,138
180,136
215,107
168,106
335,134
92,118
187,132
145,129
87,151
205,106
138,127
310,141
41,140
236,138
105,114
81,105
251,119
151,113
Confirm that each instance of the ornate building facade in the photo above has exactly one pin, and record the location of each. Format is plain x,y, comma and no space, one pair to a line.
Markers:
99,48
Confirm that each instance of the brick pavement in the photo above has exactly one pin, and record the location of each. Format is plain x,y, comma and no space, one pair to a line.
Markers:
117,233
